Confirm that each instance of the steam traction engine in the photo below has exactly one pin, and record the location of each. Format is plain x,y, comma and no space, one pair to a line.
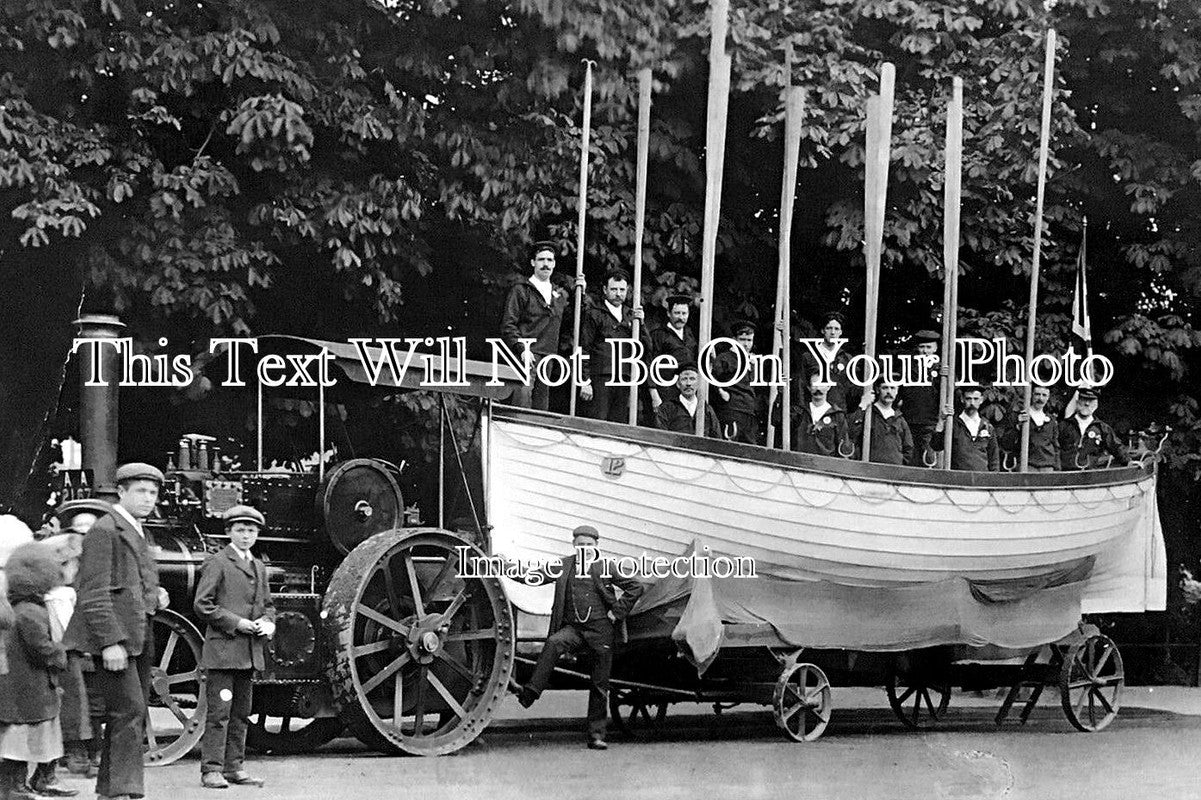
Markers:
376,632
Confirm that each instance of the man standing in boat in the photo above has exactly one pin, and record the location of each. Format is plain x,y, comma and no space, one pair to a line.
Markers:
675,340
1044,433
840,392
586,613
1086,442
736,405
974,445
821,428
608,320
534,310
920,403
892,441
678,412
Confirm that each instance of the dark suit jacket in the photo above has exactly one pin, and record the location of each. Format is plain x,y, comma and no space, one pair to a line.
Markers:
892,441
821,436
1091,448
600,600
528,316
672,416
117,587
232,589
597,326
29,692
665,343
979,453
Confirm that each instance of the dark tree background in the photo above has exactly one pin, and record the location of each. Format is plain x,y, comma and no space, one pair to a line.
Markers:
346,168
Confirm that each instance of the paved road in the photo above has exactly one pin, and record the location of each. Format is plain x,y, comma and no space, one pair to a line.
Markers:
1152,750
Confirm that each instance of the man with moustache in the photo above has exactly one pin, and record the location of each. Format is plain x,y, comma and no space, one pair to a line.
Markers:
610,319
534,310
974,445
892,441
821,428
675,340
1044,433
678,413
1086,442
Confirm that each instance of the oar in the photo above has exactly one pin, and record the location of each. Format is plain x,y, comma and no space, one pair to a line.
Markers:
583,211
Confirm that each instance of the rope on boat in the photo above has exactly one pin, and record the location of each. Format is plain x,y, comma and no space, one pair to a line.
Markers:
874,495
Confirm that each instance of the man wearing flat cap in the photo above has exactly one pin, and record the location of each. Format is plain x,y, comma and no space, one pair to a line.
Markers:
1086,442
233,597
118,594
920,404
678,412
585,616
736,405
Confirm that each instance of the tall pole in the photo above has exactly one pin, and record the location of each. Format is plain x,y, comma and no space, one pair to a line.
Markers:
585,134
644,138
875,196
99,403
794,111
1044,146
952,197
715,147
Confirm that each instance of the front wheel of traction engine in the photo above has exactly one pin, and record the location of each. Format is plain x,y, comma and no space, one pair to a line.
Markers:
422,655
176,706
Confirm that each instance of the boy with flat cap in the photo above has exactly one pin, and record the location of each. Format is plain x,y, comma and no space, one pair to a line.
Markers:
233,597
1085,440
585,615
118,593
920,404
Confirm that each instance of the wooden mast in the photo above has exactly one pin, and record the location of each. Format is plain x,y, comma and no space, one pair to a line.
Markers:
952,199
794,113
580,219
879,139
715,146
644,135
1044,146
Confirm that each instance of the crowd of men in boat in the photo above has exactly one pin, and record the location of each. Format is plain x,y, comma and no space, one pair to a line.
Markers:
908,422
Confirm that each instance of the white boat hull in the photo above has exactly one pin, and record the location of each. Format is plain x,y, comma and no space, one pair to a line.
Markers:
546,475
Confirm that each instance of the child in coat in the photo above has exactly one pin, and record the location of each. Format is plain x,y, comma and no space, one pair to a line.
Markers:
29,704
233,597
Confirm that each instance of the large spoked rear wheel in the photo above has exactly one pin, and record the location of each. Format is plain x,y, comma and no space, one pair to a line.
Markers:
422,656
176,706
918,692
802,702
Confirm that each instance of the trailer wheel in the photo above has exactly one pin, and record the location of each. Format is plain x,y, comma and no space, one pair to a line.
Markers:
1091,681
422,655
802,702
290,735
634,713
176,706
918,697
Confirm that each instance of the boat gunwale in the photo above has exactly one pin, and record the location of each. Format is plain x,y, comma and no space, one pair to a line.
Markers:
827,466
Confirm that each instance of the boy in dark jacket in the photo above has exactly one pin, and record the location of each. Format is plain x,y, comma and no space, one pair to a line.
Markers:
233,597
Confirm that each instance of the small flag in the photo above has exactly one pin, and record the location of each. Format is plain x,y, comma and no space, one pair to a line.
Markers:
1081,326
1080,322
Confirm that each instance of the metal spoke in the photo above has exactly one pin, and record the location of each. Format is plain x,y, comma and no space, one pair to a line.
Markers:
386,672
464,636
1080,703
411,570
168,651
792,710
455,605
419,710
398,701
387,622
390,586
361,650
446,695
1104,660
917,708
150,735
905,696
176,710
1104,702
183,677
455,664
448,568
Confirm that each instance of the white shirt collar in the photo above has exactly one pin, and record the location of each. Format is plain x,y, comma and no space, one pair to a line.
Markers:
1039,418
1084,422
123,511
689,405
887,413
679,333
972,423
817,412
243,554
614,310
545,288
